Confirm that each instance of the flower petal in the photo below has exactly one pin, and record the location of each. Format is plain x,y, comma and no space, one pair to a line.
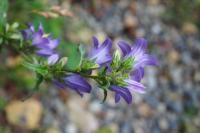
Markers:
37,39
53,43
123,92
135,86
77,83
102,55
145,60
53,59
44,52
141,43
95,42
125,47
137,74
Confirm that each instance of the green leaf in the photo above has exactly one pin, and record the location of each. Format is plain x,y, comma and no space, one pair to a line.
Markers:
75,57
2,103
3,10
36,68
15,36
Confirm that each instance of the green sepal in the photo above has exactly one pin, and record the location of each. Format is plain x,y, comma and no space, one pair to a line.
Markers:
116,60
127,64
88,65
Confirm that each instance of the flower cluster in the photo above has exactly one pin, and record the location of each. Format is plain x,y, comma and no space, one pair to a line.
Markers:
43,43
120,71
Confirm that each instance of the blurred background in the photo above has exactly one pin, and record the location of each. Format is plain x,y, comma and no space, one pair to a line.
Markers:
172,101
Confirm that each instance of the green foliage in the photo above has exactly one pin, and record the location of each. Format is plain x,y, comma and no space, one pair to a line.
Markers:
104,130
38,68
74,55
88,65
180,11
2,103
3,13
116,60
127,64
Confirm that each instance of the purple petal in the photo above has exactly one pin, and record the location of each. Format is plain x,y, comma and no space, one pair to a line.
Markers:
103,59
137,74
44,52
38,39
53,59
102,55
95,42
139,48
41,29
31,27
77,83
26,34
53,43
135,86
145,60
58,84
141,43
125,47
123,92
117,98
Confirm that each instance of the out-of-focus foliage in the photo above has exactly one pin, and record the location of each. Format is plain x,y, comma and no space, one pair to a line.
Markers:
180,11
3,11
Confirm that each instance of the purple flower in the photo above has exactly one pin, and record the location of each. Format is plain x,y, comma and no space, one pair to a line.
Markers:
141,58
76,83
121,92
125,92
101,53
135,86
44,45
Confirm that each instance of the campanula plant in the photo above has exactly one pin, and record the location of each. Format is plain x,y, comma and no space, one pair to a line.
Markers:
116,70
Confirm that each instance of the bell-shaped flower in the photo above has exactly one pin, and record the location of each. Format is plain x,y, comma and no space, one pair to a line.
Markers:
77,83
140,56
121,92
44,44
101,53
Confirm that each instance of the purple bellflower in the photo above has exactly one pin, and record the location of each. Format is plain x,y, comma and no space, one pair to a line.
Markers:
76,83
44,44
141,59
101,53
121,92
125,92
